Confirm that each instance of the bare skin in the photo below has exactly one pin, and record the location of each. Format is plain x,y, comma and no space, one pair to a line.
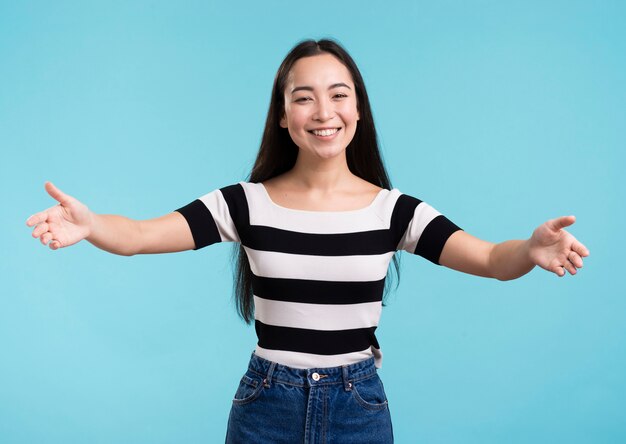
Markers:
71,221
286,192
321,115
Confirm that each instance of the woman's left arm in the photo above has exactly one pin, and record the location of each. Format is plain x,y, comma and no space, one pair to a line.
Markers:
550,247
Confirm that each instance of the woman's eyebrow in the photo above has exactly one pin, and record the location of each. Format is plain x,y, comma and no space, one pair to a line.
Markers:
338,85
309,88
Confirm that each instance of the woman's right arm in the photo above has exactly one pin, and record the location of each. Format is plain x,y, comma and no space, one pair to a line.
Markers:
71,221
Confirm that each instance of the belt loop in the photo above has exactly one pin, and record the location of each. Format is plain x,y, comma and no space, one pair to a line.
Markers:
347,385
268,378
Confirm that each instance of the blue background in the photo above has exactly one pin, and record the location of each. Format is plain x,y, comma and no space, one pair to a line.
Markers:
500,114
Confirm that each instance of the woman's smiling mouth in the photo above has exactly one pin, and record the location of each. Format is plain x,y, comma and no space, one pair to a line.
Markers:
324,132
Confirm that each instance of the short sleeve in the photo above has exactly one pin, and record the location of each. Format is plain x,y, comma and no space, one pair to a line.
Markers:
210,219
423,230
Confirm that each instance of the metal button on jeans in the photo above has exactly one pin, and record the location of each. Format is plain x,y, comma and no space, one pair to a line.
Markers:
315,376
298,409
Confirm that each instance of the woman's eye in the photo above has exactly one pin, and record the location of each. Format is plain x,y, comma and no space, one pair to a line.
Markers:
340,96
303,99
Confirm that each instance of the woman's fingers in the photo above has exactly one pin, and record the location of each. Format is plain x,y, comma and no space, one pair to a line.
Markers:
572,263
57,194
37,218
558,269
45,238
40,229
580,249
561,222
575,259
57,219
570,267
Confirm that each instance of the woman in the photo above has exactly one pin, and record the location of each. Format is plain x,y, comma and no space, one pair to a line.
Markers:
318,224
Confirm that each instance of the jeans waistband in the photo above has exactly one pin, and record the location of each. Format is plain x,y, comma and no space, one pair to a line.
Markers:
310,377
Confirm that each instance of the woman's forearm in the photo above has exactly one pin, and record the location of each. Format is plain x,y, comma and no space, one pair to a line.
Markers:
115,234
510,260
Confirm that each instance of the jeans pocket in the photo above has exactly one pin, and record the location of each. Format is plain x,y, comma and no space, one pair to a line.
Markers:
249,389
370,393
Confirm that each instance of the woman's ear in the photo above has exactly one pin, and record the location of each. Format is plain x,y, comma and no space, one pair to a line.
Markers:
283,121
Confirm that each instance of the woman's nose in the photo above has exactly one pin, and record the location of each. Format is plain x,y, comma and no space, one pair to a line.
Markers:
324,111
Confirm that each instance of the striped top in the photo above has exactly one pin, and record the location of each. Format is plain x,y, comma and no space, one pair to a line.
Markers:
318,276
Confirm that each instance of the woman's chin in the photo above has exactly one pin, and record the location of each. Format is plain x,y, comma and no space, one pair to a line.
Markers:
325,154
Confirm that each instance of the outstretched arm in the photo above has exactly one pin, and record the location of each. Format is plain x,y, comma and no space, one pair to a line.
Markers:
71,221
550,247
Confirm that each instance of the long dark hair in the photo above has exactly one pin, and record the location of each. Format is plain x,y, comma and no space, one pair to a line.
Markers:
278,152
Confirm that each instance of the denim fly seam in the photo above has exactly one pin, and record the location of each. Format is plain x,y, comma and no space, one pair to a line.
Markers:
276,403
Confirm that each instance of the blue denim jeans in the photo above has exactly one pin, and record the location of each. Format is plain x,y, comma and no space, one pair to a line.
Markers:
279,404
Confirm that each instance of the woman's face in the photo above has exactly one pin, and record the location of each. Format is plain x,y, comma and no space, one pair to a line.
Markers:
320,106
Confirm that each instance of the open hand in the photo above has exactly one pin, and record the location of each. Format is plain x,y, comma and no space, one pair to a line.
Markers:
61,225
556,250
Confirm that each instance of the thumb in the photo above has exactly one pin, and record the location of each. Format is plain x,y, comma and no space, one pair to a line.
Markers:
561,222
57,194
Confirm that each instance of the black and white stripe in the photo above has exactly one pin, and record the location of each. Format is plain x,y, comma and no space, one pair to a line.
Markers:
318,276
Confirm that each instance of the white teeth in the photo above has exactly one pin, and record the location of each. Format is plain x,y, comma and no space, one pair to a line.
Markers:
326,132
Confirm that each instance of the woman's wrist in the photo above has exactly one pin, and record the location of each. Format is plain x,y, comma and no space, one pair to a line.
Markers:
525,251
92,225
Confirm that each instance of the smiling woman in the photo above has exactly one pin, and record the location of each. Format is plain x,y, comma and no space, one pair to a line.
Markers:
316,225
320,108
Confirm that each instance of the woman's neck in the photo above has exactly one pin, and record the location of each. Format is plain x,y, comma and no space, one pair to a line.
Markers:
321,174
